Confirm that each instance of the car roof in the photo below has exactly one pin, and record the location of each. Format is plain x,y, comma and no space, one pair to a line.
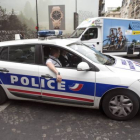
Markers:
59,42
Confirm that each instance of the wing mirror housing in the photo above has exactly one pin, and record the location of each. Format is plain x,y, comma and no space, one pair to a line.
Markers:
83,66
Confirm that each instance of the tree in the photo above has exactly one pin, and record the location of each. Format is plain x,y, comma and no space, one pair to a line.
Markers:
14,23
29,22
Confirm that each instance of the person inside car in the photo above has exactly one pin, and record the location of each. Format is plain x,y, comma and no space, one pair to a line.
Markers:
53,62
64,58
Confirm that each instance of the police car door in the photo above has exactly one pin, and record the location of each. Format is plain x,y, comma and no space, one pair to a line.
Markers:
18,71
77,87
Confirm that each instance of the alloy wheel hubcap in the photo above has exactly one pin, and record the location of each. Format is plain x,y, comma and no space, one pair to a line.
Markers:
120,106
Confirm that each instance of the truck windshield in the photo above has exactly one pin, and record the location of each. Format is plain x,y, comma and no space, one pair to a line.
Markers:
77,33
93,54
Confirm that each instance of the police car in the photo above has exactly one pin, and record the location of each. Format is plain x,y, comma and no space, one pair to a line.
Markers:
92,80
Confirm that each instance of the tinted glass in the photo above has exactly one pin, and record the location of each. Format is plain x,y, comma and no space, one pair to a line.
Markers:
22,54
4,53
77,33
93,55
91,33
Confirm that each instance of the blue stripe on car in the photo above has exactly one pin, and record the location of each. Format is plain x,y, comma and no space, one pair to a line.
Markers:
87,89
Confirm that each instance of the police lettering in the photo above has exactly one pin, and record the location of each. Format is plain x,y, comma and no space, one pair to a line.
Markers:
49,84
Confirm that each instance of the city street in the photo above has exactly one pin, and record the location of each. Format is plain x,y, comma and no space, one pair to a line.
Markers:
53,51
21,120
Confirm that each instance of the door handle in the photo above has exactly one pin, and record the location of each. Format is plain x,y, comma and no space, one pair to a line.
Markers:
46,76
4,70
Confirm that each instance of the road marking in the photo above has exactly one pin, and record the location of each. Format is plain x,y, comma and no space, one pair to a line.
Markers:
4,106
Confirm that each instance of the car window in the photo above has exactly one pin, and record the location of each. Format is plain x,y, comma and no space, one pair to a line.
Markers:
77,33
67,58
22,54
4,53
92,54
91,33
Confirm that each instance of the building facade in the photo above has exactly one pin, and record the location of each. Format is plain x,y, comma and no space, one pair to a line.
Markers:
130,9
134,9
113,12
125,8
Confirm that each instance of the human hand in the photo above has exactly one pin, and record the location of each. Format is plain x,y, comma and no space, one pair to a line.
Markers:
59,78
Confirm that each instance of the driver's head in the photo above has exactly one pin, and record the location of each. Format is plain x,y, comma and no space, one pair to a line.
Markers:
55,52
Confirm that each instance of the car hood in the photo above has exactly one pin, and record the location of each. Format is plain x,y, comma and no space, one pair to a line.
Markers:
127,70
126,64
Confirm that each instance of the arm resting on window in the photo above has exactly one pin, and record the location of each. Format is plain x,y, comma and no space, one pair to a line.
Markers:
52,67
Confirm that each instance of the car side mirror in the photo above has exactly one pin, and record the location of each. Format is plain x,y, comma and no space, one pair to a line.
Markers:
83,66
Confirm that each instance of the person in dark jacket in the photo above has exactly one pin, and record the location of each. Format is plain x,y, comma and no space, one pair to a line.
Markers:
64,59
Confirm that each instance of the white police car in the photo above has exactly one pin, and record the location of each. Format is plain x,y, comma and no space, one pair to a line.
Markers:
92,80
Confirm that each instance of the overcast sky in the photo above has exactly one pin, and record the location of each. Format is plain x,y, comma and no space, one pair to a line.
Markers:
112,3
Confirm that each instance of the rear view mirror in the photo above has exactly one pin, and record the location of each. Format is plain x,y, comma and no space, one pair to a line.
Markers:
83,66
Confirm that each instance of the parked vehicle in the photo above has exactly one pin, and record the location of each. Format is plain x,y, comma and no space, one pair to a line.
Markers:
91,80
114,36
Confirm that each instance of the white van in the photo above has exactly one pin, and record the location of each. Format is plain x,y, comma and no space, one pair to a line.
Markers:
114,36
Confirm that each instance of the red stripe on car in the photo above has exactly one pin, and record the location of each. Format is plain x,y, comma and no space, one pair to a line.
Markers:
67,97
51,95
24,91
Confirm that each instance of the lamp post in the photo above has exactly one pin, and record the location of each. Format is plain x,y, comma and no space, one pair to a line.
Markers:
76,16
37,26
76,6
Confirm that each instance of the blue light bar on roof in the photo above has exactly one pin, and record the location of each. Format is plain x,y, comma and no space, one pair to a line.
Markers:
47,33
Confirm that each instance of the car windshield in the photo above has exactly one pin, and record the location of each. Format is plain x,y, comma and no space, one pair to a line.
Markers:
77,33
93,54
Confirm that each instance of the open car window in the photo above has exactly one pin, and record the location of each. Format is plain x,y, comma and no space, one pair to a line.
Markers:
67,58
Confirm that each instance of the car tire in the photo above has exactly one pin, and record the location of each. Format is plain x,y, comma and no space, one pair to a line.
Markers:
120,106
3,96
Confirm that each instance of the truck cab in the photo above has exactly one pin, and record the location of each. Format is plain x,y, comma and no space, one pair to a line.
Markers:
89,32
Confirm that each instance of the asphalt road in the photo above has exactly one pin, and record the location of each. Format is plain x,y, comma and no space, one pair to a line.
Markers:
20,120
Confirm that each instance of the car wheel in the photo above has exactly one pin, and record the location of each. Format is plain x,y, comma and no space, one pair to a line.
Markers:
120,106
3,97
